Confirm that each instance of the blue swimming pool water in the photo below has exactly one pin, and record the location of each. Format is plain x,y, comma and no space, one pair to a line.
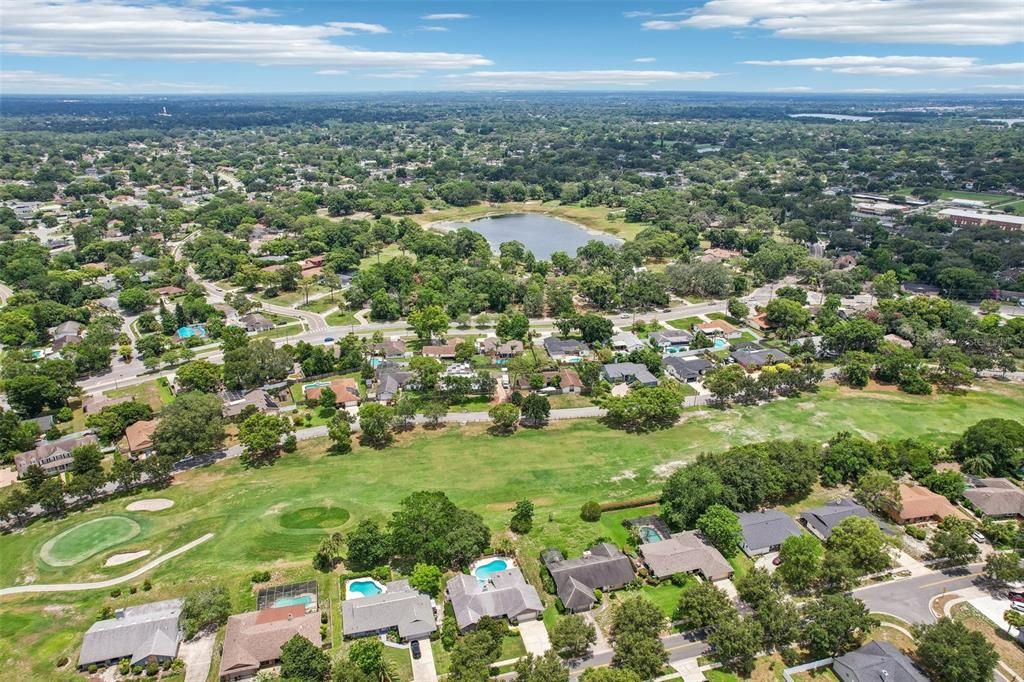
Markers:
721,343
303,599
649,534
366,588
484,571
194,330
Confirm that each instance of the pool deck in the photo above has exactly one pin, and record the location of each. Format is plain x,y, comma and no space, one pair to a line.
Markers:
508,561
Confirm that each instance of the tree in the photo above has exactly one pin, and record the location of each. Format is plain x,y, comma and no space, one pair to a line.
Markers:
190,426
949,652
471,657
952,541
505,417
590,511
429,322
513,326
429,528
572,636
788,317
836,624
689,492
367,654
434,411
546,668
110,422
328,552
721,527
199,375
952,369
134,300
856,368
950,484
862,544
205,608
368,546
886,285
701,606
376,422
801,557
646,408
426,579
636,625
992,447
536,409
301,660
339,430
737,309
260,436
522,517
595,328
757,587
877,490
736,642
328,399
725,383
1004,567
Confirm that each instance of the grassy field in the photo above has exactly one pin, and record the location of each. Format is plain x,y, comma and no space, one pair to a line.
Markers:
596,218
685,322
341,317
154,393
253,513
321,305
281,332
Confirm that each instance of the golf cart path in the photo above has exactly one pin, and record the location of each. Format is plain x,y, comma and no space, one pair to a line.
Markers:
102,584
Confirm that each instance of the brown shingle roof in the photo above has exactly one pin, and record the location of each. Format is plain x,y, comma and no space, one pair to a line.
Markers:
255,638
917,502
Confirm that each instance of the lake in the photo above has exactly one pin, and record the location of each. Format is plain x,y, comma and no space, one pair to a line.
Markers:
541,234
833,117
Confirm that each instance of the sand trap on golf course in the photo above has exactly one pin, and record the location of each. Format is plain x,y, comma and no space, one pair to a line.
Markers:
155,504
118,559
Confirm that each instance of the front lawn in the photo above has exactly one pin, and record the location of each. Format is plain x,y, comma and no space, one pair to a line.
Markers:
665,595
685,322
569,400
154,393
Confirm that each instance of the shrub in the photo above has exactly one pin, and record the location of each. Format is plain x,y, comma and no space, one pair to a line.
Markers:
132,589
146,586
598,595
62,661
124,666
152,669
381,573
590,511
136,670
291,443
916,532
64,415
92,668
115,593
260,577
323,617
323,632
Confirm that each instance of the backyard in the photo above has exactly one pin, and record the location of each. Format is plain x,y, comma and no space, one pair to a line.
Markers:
252,512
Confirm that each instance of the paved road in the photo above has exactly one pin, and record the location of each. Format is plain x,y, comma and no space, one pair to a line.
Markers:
103,584
679,648
909,598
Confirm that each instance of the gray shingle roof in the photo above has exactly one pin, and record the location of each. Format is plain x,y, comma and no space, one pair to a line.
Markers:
401,607
766,528
137,633
685,553
996,497
759,357
686,368
670,337
629,372
556,346
876,662
506,594
823,519
603,567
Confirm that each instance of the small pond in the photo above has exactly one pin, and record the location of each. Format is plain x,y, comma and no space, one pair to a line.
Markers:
541,234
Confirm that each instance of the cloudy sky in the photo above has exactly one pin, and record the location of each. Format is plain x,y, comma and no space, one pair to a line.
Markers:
244,46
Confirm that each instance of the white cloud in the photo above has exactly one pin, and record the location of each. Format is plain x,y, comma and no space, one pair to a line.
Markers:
645,60
30,82
792,88
434,29
331,72
1012,87
114,29
894,65
979,22
446,16
566,80
249,12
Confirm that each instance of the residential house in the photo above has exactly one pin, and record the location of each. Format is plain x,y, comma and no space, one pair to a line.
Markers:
566,350
626,342
629,373
142,634
995,497
44,423
390,348
876,661
716,255
53,457
346,392
765,531
718,328
494,348
821,520
399,607
254,640
756,358
168,293
442,352
898,341
504,594
760,322
685,553
236,401
254,322
569,381
670,340
918,504
67,332
602,567
139,438
686,370
312,266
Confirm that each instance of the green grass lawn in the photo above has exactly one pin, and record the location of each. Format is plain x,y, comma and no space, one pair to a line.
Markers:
321,305
665,595
290,298
154,393
402,660
342,317
741,564
569,400
558,468
281,332
685,322
92,537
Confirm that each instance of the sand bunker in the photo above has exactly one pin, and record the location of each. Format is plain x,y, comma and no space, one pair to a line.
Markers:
118,559
155,504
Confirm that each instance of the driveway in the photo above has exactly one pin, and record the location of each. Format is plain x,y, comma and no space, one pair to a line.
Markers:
535,637
197,656
423,669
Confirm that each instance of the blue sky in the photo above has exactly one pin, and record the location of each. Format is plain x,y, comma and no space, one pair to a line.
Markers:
224,46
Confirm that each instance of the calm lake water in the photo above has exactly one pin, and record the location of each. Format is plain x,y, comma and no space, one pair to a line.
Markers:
833,117
540,234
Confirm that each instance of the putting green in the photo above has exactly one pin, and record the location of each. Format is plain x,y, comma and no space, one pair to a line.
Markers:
314,517
80,542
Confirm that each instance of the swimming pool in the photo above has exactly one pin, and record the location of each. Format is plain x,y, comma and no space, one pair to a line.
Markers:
487,567
363,587
304,599
649,534
721,343
194,330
